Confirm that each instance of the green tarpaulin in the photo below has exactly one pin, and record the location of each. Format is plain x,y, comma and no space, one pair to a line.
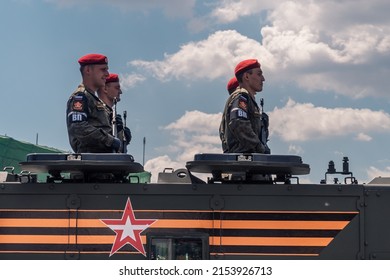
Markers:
13,151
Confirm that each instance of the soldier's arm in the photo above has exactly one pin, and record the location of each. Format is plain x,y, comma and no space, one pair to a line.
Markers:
241,127
78,112
243,131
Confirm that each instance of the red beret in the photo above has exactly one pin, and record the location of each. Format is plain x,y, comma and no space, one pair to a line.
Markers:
232,85
93,58
112,78
246,65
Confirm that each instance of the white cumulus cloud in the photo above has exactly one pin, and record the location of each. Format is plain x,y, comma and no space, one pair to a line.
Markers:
304,121
337,46
211,58
363,137
131,80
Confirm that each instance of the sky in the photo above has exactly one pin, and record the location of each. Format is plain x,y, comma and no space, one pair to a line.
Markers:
326,65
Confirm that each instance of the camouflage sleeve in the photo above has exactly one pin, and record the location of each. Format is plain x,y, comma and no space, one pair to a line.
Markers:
79,109
241,127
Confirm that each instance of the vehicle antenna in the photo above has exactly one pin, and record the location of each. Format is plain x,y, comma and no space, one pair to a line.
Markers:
143,157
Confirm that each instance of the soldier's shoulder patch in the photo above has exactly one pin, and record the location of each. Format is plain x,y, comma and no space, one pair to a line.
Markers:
78,102
238,113
243,97
243,103
77,105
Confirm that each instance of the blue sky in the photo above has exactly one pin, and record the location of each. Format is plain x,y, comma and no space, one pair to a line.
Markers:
326,65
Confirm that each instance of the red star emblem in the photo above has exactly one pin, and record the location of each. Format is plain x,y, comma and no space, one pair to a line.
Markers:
128,230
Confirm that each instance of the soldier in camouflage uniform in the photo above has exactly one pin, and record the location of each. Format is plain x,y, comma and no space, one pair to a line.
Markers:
110,94
240,128
89,128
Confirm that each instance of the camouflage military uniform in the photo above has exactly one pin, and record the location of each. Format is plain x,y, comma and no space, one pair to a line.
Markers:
241,125
89,127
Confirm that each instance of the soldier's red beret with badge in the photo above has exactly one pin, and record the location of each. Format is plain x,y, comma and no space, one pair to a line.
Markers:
112,78
232,85
246,65
93,58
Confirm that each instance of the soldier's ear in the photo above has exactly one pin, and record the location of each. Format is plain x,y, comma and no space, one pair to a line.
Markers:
246,76
87,69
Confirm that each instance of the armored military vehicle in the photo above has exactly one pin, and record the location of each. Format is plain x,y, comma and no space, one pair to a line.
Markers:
251,206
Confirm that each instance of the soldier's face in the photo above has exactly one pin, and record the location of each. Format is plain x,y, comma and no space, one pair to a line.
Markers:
256,79
113,91
99,74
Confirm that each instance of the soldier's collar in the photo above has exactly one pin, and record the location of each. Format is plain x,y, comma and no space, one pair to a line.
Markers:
241,90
